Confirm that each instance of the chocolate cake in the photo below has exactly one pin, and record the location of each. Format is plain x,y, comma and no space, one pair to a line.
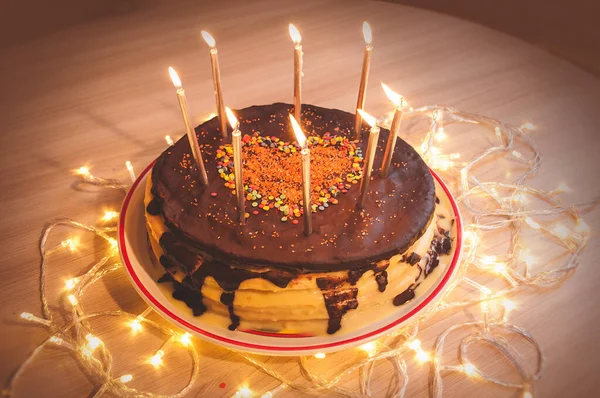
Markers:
266,274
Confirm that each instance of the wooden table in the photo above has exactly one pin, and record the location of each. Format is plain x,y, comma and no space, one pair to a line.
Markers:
99,94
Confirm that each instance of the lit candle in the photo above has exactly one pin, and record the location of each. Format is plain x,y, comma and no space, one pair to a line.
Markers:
297,39
398,100
188,125
371,149
362,89
305,152
236,142
214,61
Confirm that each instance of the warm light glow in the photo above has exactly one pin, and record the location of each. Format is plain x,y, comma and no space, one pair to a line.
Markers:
156,359
371,121
300,137
126,378
367,34
295,34
232,119
528,126
561,231
268,394
532,223
562,187
93,342
185,339
71,283
56,340
70,243
320,355
174,77
582,227
527,394
83,171
488,260
113,244
110,215
499,268
245,392
136,326
393,96
72,299
423,356
469,370
508,305
169,140
414,345
27,316
370,348
441,135
209,39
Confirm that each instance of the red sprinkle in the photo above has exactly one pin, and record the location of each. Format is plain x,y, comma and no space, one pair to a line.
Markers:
222,385
255,212
294,221
213,194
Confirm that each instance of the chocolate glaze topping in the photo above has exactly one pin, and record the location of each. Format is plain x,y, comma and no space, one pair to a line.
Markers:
397,211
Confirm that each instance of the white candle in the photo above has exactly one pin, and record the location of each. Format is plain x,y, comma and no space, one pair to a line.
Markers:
364,77
398,100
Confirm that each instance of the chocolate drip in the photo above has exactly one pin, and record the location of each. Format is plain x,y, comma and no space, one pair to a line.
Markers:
165,278
432,262
355,274
404,297
337,302
382,280
154,207
412,259
227,299
191,297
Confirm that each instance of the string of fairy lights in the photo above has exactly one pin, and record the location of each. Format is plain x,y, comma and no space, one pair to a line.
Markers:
488,206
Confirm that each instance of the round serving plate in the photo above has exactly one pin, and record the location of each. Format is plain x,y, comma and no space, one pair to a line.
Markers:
136,255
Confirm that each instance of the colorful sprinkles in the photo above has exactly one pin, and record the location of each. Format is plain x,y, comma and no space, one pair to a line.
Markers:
272,177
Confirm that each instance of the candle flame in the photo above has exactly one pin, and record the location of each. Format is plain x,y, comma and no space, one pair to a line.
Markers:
367,33
300,137
295,34
393,96
174,77
209,39
232,119
371,121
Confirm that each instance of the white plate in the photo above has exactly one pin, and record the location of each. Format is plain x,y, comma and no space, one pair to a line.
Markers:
133,245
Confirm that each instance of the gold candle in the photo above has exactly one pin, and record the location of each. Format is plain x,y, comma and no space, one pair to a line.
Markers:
362,89
297,39
216,75
305,152
188,125
236,142
398,100
370,156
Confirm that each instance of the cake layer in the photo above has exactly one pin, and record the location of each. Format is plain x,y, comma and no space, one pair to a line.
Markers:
397,212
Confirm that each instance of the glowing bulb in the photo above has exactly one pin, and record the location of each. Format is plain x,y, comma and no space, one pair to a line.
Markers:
320,355
71,283
371,121
508,305
485,307
27,316
73,300
520,197
169,140
185,339
126,378
517,154
300,137
532,223
136,326
83,171
582,227
441,135
561,231
209,39
527,394
393,96
295,34
423,356
414,345
70,243
175,78
156,359
500,268
488,260
268,394
93,342
370,348
109,215
367,34
232,119
469,370
562,187
245,392
113,244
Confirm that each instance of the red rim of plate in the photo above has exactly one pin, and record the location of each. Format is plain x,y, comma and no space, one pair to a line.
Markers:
246,345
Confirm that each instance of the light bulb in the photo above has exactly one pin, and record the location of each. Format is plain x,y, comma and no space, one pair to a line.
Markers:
126,378
320,355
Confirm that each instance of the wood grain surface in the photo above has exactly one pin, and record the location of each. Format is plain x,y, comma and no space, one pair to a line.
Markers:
99,94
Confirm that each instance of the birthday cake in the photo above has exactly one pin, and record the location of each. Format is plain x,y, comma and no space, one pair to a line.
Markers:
266,274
